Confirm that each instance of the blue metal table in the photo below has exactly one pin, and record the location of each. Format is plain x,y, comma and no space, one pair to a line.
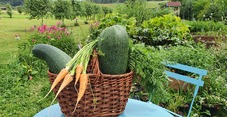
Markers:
134,108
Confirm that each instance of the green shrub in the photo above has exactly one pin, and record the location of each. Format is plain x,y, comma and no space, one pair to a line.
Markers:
110,20
145,61
137,9
165,30
197,56
205,26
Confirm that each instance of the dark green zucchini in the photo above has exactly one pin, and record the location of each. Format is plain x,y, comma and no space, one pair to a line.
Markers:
55,58
114,45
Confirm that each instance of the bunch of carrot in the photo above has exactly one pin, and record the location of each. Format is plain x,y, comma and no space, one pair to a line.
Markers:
76,66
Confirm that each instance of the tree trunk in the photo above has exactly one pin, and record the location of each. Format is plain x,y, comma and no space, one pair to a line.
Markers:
42,20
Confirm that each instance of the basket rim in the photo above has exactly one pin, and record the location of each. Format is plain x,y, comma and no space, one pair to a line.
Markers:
112,75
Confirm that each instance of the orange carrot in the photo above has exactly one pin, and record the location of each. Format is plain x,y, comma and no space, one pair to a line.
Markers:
58,79
79,70
68,78
82,88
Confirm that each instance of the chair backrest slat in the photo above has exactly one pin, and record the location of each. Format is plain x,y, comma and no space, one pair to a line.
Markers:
187,68
185,78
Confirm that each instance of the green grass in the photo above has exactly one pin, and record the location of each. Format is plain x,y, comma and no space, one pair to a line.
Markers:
155,4
20,24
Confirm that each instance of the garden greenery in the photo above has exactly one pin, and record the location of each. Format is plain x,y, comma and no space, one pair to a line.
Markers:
52,35
110,20
164,30
206,26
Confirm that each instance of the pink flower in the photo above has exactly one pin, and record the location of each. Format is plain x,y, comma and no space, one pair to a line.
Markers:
32,28
48,37
44,27
41,29
53,27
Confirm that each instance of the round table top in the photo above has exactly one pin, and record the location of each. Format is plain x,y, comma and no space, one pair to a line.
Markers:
134,108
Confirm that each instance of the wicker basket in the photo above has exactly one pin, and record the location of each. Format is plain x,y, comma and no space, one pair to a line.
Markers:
105,96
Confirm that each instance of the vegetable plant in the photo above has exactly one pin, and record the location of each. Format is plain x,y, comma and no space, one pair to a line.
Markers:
114,19
149,72
164,30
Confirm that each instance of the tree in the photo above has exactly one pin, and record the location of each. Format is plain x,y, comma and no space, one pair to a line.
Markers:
106,10
223,7
211,12
186,11
62,10
96,9
136,8
37,8
88,10
9,10
20,9
76,8
198,6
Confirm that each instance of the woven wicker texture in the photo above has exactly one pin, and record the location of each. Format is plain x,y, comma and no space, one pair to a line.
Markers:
105,96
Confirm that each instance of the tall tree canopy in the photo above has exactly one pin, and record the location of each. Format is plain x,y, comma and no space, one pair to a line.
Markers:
37,8
62,10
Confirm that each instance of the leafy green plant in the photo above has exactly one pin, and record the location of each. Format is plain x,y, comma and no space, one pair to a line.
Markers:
195,56
165,30
110,20
135,8
149,72
20,9
9,10
205,26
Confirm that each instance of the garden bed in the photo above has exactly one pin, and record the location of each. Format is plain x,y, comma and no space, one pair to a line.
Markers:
208,40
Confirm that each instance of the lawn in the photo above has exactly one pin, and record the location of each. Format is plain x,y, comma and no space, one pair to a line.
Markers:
20,24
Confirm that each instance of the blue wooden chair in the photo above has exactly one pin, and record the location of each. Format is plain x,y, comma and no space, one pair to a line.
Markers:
198,82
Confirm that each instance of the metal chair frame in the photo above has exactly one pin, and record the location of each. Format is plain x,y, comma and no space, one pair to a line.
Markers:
198,82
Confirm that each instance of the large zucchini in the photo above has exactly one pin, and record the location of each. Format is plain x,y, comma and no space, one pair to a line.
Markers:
114,45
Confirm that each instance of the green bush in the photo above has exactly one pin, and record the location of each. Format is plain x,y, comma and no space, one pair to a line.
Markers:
145,61
110,20
165,30
205,26
195,56
135,8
